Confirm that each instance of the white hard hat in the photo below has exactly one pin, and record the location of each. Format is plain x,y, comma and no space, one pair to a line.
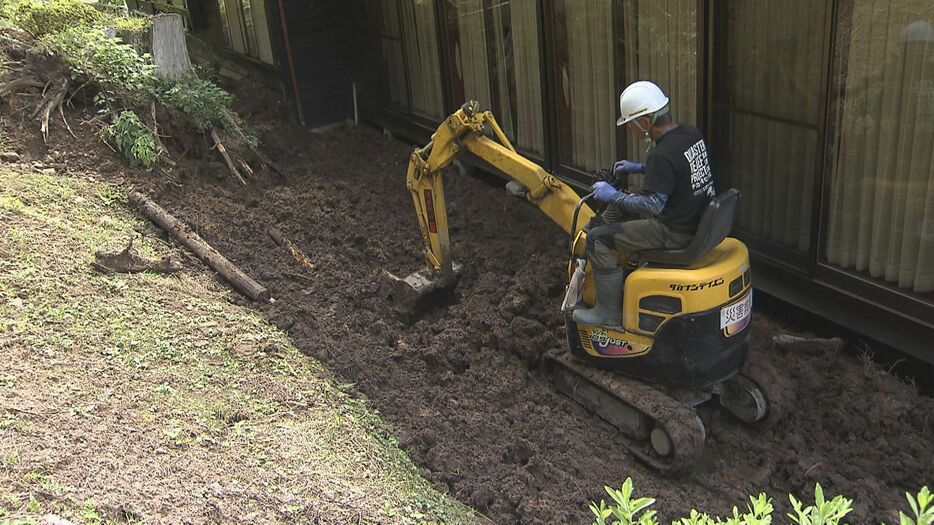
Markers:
640,99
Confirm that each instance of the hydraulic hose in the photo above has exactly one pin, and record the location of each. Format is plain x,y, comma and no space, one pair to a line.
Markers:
577,210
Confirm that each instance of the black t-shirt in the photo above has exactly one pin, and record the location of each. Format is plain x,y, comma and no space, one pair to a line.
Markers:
679,168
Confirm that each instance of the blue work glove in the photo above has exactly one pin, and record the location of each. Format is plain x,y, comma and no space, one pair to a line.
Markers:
628,166
603,191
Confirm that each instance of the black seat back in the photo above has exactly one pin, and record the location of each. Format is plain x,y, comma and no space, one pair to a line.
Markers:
715,225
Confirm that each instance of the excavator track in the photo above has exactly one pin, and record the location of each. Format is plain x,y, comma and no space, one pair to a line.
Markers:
657,429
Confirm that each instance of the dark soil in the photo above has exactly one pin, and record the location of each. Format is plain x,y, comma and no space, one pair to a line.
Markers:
462,385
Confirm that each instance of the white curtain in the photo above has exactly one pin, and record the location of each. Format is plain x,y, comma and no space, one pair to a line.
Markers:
774,85
660,40
520,52
470,53
514,49
420,37
588,83
881,218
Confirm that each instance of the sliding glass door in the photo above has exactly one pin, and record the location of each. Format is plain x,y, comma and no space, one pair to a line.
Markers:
880,219
768,65
599,47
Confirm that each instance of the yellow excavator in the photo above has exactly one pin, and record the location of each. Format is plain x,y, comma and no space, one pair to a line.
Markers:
683,336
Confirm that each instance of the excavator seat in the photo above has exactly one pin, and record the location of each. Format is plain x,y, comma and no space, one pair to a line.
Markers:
715,225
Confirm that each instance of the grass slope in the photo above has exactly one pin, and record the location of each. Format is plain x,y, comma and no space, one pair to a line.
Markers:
151,398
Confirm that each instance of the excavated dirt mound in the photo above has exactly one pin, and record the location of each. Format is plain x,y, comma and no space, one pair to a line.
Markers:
461,384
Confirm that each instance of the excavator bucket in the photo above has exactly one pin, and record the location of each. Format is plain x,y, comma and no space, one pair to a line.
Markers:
418,288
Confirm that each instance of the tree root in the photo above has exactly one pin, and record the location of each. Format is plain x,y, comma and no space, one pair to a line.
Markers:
51,102
155,133
18,84
223,151
128,260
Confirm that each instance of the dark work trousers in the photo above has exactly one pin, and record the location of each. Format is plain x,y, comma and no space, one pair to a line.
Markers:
605,243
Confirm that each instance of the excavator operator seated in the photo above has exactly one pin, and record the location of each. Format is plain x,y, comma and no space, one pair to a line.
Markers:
678,186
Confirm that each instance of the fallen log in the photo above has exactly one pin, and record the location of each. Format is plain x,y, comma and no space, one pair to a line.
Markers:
191,240
284,242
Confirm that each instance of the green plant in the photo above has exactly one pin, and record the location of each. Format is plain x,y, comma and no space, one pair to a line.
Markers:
624,508
133,24
133,139
921,507
202,100
106,60
44,17
823,512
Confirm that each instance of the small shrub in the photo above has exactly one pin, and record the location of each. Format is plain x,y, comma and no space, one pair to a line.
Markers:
106,60
135,25
626,510
44,17
133,139
202,100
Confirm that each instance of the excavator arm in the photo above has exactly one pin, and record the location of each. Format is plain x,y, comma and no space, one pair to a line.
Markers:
464,131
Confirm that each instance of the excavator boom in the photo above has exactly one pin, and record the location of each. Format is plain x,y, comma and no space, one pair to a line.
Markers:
464,131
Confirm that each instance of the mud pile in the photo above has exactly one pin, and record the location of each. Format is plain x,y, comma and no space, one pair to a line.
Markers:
461,384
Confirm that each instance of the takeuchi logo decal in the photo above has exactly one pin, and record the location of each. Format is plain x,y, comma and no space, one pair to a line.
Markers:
606,342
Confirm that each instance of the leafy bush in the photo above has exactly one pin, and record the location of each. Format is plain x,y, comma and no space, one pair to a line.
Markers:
133,24
133,139
106,60
43,17
626,510
202,100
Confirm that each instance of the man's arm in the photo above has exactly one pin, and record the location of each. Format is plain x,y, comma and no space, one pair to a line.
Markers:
648,204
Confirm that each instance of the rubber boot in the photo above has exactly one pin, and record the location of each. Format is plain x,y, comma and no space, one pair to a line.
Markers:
607,310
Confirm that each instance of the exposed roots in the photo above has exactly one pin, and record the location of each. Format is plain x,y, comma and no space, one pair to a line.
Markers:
19,84
52,102
223,151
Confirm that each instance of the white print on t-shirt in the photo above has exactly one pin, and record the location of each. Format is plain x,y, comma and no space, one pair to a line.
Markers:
701,176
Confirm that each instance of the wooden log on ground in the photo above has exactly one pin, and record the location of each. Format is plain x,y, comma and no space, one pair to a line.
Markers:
276,235
191,240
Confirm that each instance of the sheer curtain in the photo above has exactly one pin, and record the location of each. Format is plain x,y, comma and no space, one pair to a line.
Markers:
881,217
660,40
497,53
420,37
470,52
768,135
588,83
517,46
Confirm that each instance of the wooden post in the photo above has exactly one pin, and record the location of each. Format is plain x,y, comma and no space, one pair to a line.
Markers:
169,50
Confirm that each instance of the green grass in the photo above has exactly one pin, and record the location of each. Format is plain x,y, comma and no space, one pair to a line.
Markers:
158,383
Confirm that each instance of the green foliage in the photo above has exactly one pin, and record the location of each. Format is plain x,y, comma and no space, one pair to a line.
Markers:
202,100
823,512
133,24
106,60
133,139
921,507
625,510
43,17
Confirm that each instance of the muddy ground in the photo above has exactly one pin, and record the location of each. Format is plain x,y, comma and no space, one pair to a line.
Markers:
461,384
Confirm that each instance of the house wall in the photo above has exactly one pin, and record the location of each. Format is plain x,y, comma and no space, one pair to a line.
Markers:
328,40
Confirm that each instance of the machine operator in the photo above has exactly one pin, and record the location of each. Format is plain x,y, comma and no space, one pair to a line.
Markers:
678,186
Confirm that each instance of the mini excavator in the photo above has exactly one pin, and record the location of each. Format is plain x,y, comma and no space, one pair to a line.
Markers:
683,336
